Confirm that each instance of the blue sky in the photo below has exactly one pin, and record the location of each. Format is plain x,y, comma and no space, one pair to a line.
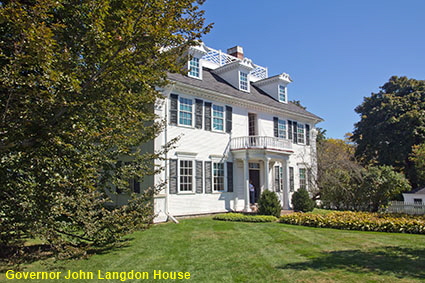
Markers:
337,52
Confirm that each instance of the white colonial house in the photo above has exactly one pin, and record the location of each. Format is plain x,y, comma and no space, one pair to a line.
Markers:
236,126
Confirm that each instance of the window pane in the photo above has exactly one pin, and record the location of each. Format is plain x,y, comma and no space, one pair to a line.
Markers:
282,93
186,175
218,175
218,118
194,67
281,129
185,111
243,81
300,133
303,179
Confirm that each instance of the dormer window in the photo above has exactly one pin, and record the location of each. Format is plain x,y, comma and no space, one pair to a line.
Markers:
243,81
282,93
194,69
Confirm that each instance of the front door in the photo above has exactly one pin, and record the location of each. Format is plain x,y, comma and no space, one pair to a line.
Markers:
254,176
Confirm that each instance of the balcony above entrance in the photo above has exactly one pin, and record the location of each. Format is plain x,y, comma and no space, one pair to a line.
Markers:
261,142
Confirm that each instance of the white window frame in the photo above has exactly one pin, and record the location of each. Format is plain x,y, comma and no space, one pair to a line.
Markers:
301,134
223,118
194,68
192,178
280,131
305,177
179,111
291,178
281,89
223,164
243,85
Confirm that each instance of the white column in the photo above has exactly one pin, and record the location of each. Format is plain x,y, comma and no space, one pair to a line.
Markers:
286,189
266,173
246,183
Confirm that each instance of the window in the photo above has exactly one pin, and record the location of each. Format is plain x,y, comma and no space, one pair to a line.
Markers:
194,67
281,129
291,179
252,121
282,93
300,133
277,178
186,175
185,111
303,178
218,176
243,81
218,118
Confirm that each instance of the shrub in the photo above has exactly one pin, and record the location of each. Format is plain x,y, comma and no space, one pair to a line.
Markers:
301,201
244,218
269,204
363,221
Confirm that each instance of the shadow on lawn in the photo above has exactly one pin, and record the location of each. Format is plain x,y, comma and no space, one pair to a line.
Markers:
401,262
17,256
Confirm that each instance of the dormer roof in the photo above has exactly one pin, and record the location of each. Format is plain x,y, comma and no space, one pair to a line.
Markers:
282,78
244,64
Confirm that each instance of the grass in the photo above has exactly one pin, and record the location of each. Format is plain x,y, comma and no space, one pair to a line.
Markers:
218,251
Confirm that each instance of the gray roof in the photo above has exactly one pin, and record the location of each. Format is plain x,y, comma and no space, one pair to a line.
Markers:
211,81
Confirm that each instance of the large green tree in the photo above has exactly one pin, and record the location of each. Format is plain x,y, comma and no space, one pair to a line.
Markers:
78,87
391,122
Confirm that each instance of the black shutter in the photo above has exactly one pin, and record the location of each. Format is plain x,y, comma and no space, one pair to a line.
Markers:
228,119
290,129
173,176
199,104
307,134
276,126
199,177
208,179
136,186
208,116
173,109
295,129
230,177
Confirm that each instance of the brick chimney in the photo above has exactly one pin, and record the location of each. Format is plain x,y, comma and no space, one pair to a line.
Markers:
236,51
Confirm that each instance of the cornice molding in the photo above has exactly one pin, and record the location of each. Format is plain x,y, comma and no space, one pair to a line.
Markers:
243,103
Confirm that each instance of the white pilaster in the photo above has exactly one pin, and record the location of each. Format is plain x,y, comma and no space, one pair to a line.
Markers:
266,173
246,183
286,188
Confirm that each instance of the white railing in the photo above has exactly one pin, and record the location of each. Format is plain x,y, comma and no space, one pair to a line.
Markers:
218,58
260,142
409,208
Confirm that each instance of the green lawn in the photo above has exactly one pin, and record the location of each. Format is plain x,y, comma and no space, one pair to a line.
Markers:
217,251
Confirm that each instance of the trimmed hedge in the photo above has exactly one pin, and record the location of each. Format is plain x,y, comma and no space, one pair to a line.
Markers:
363,221
244,217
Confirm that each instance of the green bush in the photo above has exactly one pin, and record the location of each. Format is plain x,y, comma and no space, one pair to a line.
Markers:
269,204
363,221
244,218
301,201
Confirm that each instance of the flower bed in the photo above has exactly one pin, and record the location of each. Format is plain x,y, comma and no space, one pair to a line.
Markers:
244,217
363,221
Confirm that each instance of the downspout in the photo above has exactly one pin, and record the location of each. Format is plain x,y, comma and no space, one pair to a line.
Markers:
167,190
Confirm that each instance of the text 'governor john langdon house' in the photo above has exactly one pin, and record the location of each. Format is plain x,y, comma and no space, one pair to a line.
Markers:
236,127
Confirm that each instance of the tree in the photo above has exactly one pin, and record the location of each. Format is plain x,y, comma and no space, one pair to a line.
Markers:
301,201
269,204
380,184
338,173
78,88
391,122
418,158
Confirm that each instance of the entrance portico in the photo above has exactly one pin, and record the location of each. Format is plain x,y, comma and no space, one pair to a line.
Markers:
262,154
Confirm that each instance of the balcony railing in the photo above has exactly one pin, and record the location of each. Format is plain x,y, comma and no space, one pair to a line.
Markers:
216,58
260,142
